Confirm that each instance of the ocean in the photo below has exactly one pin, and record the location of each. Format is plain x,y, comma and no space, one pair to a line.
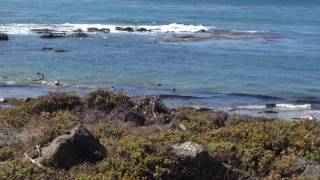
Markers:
205,53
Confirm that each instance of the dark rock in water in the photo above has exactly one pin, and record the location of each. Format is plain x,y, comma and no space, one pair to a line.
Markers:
142,30
57,83
78,31
159,85
270,106
202,31
197,163
42,31
47,49
52,35
68,150
60,50
105,30
270,112
54,50
94,29
37,77
4,36
79,35
127,29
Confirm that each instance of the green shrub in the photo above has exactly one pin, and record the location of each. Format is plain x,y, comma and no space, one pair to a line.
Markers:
105,100
7,153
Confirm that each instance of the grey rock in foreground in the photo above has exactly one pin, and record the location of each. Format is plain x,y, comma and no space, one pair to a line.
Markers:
197,163
67,150
312,172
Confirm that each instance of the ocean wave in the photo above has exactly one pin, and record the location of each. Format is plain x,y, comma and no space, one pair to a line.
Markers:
26,29
280,107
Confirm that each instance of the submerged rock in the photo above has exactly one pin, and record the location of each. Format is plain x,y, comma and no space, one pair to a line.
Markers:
60,50
37,77
52,35
67,150
42,31
79,34
4,36
197,163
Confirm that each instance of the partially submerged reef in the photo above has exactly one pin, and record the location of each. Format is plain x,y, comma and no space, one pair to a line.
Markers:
107,135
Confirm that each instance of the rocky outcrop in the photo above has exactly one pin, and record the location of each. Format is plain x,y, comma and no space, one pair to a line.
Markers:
197,163
4,36
71,149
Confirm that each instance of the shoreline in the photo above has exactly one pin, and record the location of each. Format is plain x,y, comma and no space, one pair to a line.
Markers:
268,107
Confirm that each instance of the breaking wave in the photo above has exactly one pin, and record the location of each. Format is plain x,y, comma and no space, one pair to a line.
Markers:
26,29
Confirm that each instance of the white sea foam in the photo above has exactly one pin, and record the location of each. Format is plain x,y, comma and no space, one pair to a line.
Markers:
281,107
293,106
25,29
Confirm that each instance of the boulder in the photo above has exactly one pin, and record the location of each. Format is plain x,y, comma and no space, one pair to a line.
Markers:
67,150
197,163
4,36
127,29
311,171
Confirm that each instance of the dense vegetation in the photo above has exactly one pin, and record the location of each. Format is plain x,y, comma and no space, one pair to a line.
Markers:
262,148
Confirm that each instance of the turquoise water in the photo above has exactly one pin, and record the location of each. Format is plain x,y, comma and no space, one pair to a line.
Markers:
271,53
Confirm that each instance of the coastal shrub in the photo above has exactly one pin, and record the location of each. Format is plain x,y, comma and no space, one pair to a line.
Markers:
21,169
135,158
50,126
201,121
24,112
7,153
105,100
53,102
258,147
